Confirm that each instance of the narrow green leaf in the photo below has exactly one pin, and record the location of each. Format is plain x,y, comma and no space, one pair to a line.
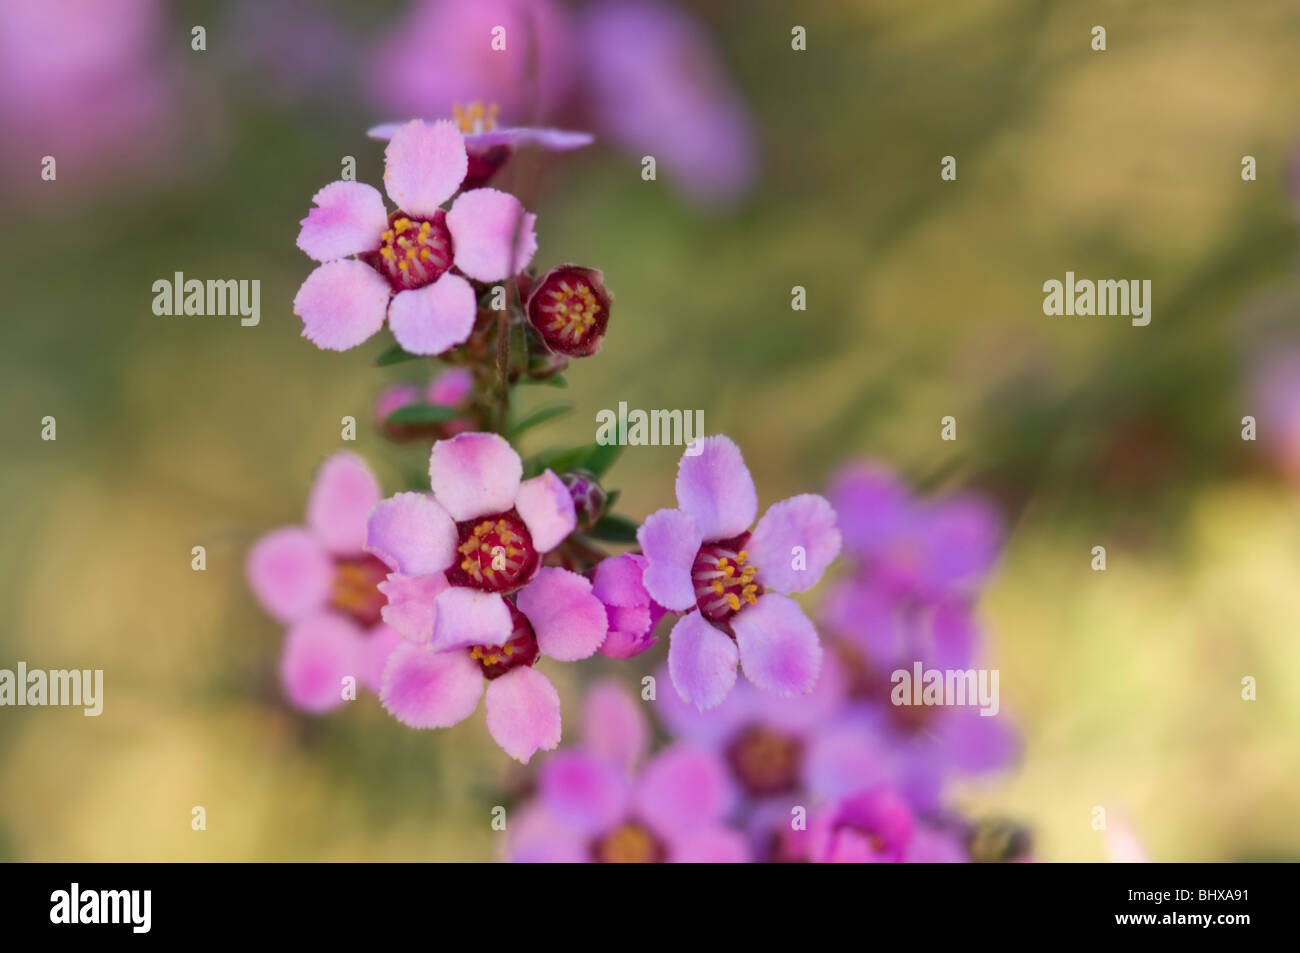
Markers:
423,414
540,416
614,529
600,457
394,355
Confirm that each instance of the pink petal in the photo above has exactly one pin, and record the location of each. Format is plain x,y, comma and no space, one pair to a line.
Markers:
469,617
424,165
523,713
683,789
807,522
475,474
289,573
546,506
778,645
411,533
583,791
340,500
702,661
319,652
426,689
435,318
617,581
535,837
348,219
342,303
410,608
715,488
484,223
716,845
567,619
379,644
451,386
613,725
670,542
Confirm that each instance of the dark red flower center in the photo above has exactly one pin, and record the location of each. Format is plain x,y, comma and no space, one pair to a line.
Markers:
765,762
723,578
414,252
519,649
496,553
355,588
629,843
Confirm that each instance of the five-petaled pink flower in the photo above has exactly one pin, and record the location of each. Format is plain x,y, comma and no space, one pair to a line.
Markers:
319,580
704,560
412,266
468,592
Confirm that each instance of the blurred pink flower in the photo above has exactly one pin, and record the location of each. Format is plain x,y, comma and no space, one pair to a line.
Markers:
319,581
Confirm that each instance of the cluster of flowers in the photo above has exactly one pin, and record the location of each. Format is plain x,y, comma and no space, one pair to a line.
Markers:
839,775
469,586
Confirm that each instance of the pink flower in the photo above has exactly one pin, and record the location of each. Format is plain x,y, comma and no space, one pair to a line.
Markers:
320,582
593,803
468,592
704,560
448,389
410,267
632,614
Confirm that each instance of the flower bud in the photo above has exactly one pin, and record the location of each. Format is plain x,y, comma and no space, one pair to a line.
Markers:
569,309
589,497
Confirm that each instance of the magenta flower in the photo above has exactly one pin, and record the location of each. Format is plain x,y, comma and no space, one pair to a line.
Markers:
593,804
410,267
456,556
876,826
923,550
704,560
632,614
320,582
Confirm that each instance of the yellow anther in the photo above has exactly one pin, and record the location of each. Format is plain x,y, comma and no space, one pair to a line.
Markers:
401,225
387,252
404,265
733,601
717,586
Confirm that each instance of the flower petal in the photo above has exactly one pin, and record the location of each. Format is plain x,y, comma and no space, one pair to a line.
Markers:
557,140
474,474
567,619
342,303
613,725
523,713
467,617
341,498
435,318
806,522
702,661
485,224
714,845
412,534
426,689
715,488
670,542
683,789
290,573
583,791
348,219
319,652
379,644
424,165
546,506
410,608
778,645
617,581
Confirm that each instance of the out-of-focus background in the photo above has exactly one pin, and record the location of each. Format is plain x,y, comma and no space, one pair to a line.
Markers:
818,168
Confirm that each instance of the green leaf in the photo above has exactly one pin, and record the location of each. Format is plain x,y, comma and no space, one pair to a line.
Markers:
555,380
614,529
600,458
540,416
394,355
423,414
